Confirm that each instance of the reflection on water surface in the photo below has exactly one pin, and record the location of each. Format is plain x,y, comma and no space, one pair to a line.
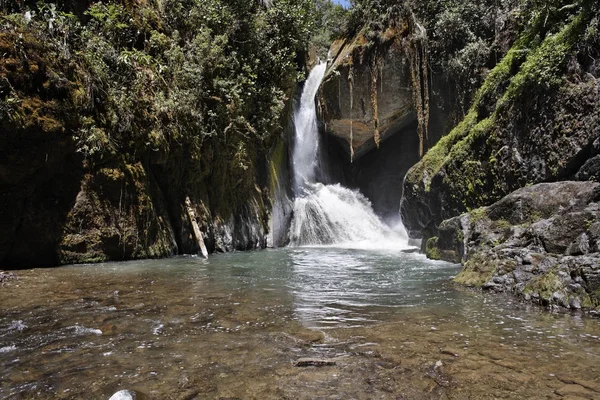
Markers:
233,327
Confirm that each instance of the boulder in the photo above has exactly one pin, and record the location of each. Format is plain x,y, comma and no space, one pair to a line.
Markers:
127,395
540,243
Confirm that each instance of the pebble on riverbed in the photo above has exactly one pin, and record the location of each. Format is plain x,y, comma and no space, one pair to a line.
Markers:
128,395
123,395
314,362
6,276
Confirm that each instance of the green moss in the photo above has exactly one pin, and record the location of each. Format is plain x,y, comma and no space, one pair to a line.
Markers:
431,250
507,267
589,222
532,218
586,302
502,224
476,271
495,82
434,159
460,136
457,144
545,285
71,257
478,214
160,249
113,174
460,236
596,293
543,68
531,68
276,162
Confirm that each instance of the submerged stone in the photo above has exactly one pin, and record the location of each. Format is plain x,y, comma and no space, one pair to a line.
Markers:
315,362
6,276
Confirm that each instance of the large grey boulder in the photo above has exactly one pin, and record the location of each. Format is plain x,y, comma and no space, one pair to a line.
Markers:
540,243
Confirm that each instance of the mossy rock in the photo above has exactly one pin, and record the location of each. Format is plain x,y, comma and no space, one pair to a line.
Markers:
477,271
431,250
490,153
545,286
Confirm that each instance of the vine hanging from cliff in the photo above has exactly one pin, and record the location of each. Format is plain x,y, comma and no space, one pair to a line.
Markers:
416,48
351,83
376,65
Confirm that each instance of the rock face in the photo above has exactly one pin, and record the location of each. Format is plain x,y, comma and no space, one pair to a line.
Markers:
366,95
502,144
56,209
376,123
99,158
87,176
541,243
72,215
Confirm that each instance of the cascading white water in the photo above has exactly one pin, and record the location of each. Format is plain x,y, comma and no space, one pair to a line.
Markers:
330,214
306,149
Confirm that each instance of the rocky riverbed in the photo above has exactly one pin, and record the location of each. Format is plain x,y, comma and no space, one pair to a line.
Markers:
6,277
285,324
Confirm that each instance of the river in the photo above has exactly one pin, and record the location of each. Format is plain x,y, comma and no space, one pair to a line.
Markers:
235,326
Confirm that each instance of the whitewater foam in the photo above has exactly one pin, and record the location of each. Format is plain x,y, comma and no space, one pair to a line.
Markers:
332,215
306,149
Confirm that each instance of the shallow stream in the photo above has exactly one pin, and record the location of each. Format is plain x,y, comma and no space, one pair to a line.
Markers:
235,326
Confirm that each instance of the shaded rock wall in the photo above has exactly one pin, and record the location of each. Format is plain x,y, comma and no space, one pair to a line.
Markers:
370,112
280,173
112,121
59,212
59,206
39,182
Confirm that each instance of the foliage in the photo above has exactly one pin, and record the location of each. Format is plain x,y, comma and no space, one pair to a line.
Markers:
465,39
431,250
159,79
374,14
330,24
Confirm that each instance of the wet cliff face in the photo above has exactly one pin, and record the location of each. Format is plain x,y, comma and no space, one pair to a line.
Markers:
379,173
368,118
367,95
540,243
38,189
371,104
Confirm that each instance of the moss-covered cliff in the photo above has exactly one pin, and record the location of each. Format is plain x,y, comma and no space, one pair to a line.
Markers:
111,116
534,119
377,83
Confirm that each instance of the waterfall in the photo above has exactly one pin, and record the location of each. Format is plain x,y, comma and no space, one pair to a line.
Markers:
306,149
330,214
